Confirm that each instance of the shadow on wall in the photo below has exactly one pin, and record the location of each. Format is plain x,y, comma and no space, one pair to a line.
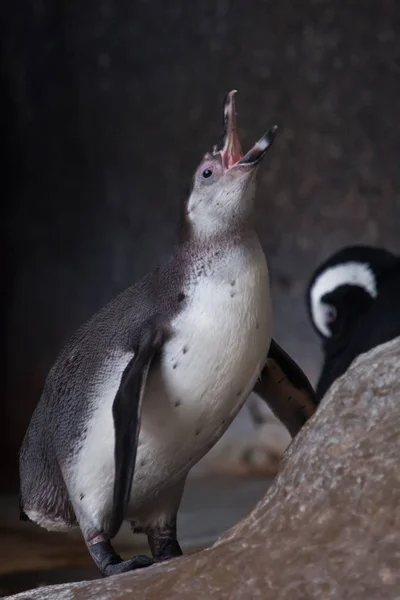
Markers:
107,111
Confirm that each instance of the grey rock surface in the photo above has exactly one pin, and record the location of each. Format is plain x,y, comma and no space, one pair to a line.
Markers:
329,526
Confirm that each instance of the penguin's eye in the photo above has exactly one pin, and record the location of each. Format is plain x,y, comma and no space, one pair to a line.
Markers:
330,314
208,173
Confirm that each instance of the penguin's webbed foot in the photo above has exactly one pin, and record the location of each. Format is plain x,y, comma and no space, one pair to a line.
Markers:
137,562
110,563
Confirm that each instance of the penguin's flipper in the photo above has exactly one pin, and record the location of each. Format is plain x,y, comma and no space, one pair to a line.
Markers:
286,389
126,415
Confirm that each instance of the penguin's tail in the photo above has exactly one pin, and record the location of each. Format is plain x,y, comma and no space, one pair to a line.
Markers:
22,514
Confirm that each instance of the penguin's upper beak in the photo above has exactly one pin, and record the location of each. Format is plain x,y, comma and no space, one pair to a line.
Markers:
229,146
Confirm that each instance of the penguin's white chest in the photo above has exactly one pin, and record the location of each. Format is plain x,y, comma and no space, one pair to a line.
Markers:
209,366
219,346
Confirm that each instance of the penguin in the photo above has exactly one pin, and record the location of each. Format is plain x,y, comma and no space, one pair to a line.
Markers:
150,383
352,301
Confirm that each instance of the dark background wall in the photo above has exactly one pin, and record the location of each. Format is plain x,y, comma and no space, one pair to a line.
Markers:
106,109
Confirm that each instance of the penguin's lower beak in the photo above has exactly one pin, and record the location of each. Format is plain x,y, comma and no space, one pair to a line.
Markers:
229,146
259,149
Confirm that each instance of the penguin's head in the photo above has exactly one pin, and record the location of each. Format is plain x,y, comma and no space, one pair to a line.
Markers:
343,289
223,187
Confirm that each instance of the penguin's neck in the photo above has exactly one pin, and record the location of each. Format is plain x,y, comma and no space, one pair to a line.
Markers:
221,259
193,246
212,233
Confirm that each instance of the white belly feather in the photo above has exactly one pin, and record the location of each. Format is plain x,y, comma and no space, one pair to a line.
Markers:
208,369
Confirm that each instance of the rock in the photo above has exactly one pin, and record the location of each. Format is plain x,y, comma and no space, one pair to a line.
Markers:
328,528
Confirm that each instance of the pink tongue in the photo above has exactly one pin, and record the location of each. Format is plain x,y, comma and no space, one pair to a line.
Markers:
233,152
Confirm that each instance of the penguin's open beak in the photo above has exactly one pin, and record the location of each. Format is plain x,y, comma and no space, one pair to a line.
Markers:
229,146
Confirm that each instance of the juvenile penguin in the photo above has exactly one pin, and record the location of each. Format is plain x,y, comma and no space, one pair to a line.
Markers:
144,389
353,299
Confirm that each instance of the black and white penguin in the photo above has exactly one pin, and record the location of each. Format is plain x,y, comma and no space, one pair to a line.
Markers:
353,300
144,389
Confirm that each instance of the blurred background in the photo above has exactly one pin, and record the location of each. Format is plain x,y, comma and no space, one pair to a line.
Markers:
107,107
